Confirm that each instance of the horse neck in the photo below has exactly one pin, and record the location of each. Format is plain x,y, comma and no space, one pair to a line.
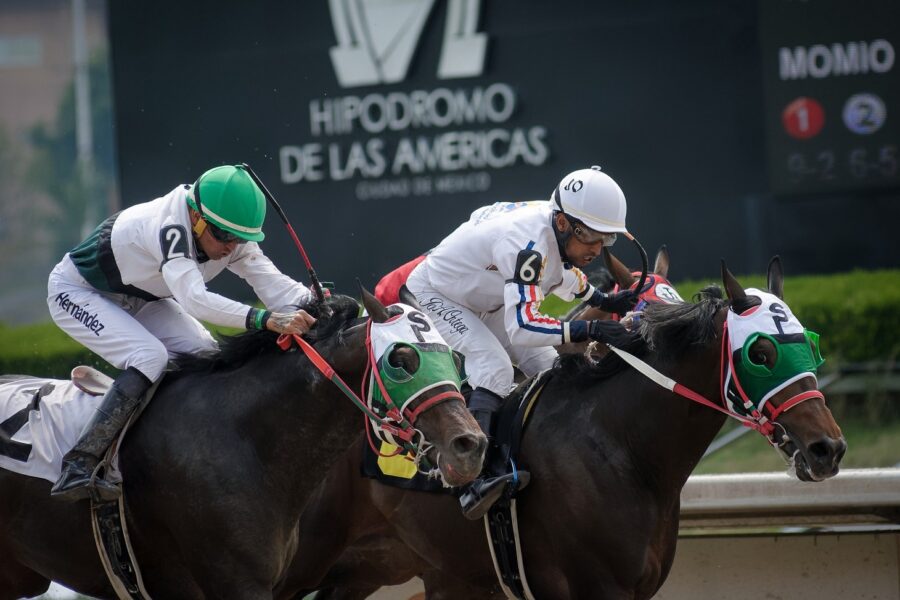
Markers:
656,436
303,421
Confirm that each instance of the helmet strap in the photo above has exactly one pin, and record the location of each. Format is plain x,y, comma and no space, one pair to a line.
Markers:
562,237
200,226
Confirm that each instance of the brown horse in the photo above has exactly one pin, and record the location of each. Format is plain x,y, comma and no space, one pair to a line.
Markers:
219,466
609,451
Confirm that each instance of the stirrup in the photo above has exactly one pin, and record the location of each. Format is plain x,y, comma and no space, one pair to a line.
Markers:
79,481
482,494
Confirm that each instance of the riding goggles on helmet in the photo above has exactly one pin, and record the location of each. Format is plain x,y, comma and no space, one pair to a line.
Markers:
586,235
225,237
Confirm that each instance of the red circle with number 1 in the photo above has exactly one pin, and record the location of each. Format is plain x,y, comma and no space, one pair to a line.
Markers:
803,118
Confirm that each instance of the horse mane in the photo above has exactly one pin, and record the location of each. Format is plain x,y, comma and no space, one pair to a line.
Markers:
577,369
668,329
672,329
332,316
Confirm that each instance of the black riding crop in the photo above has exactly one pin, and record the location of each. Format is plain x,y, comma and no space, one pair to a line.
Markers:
317,287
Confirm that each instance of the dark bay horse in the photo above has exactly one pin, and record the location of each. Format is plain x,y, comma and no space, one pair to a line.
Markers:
609,451
219,466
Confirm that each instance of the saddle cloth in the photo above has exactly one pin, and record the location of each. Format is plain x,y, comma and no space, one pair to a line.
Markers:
397,471
400,472
40,420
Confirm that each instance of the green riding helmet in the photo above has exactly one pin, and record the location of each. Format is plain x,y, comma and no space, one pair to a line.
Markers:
230,200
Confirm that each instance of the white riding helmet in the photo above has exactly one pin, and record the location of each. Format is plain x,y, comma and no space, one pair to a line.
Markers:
592,197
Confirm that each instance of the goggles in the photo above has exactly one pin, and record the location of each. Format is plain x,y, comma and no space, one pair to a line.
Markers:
225,237
586,235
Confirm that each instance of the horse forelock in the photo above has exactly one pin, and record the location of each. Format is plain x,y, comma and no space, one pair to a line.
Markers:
333,315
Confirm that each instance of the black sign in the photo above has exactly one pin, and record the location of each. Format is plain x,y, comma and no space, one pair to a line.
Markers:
832,94
380,125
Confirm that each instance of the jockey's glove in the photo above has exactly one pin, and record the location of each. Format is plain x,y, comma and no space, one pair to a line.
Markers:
609,332
619,302
606,332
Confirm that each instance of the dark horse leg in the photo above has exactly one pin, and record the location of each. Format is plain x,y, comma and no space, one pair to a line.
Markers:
17,580
335,516
33,528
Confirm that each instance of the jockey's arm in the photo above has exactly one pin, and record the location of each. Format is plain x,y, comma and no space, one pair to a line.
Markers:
188,288
274,288
522,268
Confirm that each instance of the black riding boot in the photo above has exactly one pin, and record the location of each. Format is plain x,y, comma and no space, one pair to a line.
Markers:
121,399
481,494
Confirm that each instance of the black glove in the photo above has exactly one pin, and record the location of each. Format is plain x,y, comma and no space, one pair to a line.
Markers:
620,302
609,332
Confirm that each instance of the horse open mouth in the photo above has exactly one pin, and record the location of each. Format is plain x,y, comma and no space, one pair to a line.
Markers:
452,473
800,465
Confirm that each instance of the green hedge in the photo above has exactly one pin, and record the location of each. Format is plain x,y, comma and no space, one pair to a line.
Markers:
857,315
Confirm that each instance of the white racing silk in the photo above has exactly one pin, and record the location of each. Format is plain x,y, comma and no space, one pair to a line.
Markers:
51,429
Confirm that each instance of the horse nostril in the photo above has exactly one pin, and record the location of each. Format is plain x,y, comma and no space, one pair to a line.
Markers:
828,450
464,445
841,450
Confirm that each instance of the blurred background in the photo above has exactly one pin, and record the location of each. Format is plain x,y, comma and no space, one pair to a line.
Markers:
737,130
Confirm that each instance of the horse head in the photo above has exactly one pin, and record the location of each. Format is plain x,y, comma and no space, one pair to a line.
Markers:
413,372
769,375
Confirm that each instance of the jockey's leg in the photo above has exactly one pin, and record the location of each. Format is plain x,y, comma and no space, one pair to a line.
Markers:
104,323
179,332
490,375
478,497
75,481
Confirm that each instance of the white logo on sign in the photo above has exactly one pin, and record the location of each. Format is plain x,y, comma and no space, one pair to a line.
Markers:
377,39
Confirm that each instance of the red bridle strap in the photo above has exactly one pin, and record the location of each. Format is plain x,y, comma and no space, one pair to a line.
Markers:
794,401
284,342
413,414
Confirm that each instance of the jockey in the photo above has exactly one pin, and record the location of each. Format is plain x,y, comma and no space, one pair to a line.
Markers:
484,284
133,291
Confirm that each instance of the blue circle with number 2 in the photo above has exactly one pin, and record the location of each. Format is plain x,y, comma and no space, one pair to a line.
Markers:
864,113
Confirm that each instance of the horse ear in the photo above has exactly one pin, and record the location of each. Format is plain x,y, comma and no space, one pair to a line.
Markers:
408,298
775,277
619,271
732,288
375,308
661,266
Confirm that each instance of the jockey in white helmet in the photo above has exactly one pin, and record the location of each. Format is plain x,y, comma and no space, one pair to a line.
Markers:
484,283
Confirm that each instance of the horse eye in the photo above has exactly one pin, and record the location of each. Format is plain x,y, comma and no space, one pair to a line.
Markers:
404,358
758,357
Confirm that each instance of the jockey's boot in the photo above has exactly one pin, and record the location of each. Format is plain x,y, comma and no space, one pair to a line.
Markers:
481,494
76,480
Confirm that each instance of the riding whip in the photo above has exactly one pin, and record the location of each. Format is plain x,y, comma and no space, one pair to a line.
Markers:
644,261
317,287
